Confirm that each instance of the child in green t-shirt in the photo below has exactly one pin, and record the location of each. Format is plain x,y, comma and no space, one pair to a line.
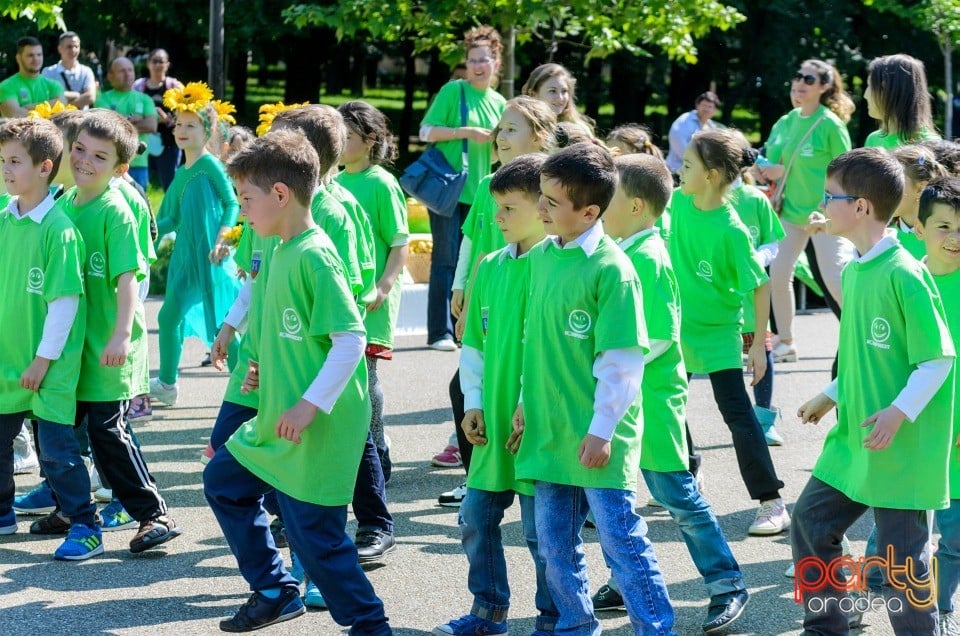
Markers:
643,191
306,441
490,373
715,264
920,167
580,421
42,285
938,226
892,325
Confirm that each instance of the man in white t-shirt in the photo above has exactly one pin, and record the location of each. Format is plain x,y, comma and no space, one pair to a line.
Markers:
78,81
686,125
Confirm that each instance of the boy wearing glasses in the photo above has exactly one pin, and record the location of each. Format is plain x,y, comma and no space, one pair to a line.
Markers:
897,414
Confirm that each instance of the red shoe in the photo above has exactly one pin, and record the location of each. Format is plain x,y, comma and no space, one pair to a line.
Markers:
448,458
207,454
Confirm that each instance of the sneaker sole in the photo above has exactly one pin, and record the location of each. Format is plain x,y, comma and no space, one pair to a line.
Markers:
100,498
763,532
790,357
440,464
82,557
720,628
35,511
26,470
226,627
610,608
8,530
450,504
371,559
143,546
122,526
773,442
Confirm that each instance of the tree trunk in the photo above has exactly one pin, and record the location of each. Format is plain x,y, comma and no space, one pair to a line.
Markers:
237,67
948,78
509,70
406,116
304,75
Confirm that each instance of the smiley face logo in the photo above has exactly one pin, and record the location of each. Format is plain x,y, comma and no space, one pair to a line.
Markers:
705,270
35,279
579,321
754,231
291,321
880,330
97,263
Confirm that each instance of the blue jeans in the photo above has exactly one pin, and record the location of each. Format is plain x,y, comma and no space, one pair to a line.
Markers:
763,390
948,555
230,418
560,512
480,516
316,533
447,234
140,175
369,493
165,166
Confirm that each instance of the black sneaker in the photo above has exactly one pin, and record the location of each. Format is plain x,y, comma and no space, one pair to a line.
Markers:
279,533
260,611
724,610
608,599
373,545
453,498
56,523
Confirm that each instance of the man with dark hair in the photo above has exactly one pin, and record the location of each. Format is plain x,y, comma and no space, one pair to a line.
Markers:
22,92
77,79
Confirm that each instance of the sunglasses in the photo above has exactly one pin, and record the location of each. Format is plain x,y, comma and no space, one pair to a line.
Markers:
809,80
157,61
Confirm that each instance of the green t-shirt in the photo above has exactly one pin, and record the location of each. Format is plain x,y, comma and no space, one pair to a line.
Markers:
880,139
483,110
142,213
911,242
252,255
755,212
109,232
29,90
383,200
584,306
40,263
495,327
804,189
306,299
948,286
329,214
664,386
892,321
366,250
129,103
716,265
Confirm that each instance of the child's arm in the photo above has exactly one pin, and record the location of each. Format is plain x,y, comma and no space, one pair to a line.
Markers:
235,321
460,276
757,358
618,373
61,312
341,363
396,259
116,351
921,386
471,382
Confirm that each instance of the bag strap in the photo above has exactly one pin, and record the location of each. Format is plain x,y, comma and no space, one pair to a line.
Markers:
66,82
778,192
463,122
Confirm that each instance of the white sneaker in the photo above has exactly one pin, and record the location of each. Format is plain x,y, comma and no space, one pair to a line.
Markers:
443,344
784,352
23,464
103,495
94,475
701,480
163,393
772,518
790,571
653,503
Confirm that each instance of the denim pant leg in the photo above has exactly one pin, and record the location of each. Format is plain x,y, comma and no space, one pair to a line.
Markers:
948,555
234,495
10,425
447,235
229,420
375,388
820,518
547,612
318,535
480,515
763,390
708,548
560,511
457,406
66,472
369,495
623,537
904,535
753,454
876,577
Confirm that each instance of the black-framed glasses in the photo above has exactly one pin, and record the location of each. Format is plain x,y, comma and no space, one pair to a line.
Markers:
806,78
827,198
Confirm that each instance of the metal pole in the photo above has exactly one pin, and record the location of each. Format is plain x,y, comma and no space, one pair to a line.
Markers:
215,74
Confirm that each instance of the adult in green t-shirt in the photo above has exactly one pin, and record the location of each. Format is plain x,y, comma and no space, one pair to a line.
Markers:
135,106
443,126
21,93
804,141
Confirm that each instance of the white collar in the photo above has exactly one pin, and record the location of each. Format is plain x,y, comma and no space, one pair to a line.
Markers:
903,226
36,214
625,244
588,241
888,241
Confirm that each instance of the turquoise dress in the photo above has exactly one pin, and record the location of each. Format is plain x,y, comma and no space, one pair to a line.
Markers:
198,203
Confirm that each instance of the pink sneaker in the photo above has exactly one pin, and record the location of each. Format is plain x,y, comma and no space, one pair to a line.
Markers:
140,410
207,454
448,458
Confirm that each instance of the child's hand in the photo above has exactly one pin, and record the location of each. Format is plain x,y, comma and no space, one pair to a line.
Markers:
219,252
116,351
816,223
594,452
815,409
218,352
252,381
474,427
294,420
513,442
885,423
456,303
381,297
33,376
757,361
460,327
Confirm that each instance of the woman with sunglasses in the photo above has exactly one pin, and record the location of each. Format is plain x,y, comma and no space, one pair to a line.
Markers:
801,145
162,163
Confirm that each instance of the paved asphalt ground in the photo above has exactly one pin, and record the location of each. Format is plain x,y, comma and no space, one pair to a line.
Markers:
189,586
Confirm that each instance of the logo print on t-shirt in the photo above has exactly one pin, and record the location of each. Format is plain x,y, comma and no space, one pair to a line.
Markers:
879,333
807,150
291,325
255,262
98,265
35,280
705,271
579,322
754,231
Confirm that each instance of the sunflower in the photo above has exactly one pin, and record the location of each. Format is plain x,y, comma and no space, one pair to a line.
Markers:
225,111
44,110
232,236
192,98
269,111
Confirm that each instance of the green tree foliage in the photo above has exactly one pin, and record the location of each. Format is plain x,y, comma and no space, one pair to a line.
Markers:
46,15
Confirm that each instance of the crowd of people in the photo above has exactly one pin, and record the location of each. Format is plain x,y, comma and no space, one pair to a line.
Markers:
635,269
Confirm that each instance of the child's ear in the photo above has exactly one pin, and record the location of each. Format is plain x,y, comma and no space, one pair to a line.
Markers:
918,229
282,192
46,168
591,213
121,169
638,206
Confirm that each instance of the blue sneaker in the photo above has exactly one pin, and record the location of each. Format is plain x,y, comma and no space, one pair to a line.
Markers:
116,517
8,523
312,597
38,501
296,569
471,625
81,543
